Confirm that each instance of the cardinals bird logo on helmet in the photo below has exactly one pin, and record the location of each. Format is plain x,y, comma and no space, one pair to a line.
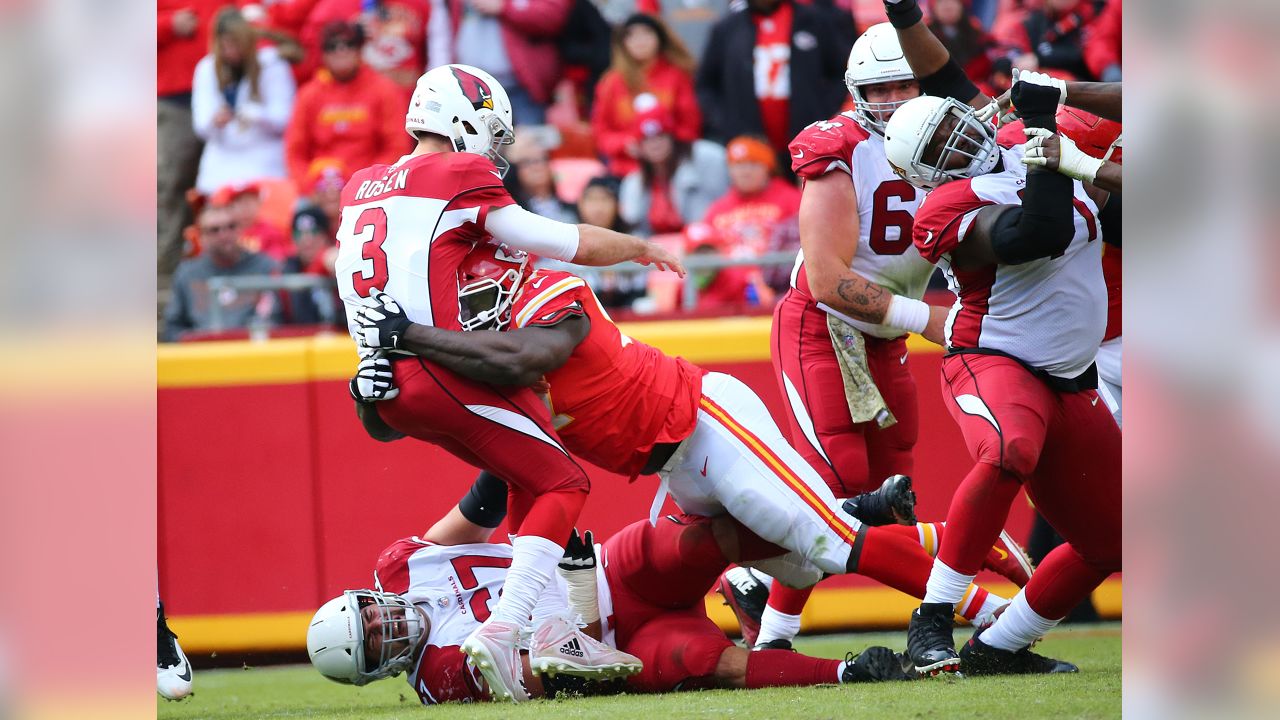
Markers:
475,89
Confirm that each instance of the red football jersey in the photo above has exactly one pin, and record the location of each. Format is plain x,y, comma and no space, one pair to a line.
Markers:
615,398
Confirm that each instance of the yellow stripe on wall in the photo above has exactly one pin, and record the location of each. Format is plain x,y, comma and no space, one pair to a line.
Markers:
829,610
333,356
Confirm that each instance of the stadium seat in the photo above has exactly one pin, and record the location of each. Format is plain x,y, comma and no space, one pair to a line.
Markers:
572,174
278,200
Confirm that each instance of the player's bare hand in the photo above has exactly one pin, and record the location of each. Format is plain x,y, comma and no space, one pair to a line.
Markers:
382,323
935,329
1059,152
185,23
660,258
373,381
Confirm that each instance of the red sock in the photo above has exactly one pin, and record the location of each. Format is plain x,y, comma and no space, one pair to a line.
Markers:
553,515
1062,581
895,559
788,601
783,668
978,512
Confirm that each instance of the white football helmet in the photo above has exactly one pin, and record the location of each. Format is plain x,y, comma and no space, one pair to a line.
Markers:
910,132
466,105
876,58
336,638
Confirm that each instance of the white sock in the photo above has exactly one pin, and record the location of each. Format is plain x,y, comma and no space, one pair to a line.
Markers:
993,603
927,535
533,562
840,671
1017,627
777,626
946,585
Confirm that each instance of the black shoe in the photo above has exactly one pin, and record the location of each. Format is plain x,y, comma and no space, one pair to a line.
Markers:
930,643
893,503
775,644
746,596
874,664
979,658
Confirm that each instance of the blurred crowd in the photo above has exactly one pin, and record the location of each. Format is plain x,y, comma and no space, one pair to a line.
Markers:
666,121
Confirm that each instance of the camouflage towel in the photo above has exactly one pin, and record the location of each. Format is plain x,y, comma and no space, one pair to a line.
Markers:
866,404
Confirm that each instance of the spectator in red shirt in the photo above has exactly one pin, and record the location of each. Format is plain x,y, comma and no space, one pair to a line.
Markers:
676,182
256,235
758,201
182,38
396,33
963,36
347,111
1102,43
647,59
1050,32
729,289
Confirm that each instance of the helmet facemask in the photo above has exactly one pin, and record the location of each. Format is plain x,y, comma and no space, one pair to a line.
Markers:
873,115
969,139
488,280
338,641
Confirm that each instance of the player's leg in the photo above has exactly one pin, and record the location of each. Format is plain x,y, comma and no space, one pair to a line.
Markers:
507,431
890,450
1003,411
1077,488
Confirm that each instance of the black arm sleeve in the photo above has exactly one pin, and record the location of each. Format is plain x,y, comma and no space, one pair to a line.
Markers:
485,504
1042,227
1109,218
949,81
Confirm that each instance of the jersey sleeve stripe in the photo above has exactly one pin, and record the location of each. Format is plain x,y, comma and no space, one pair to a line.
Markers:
531,309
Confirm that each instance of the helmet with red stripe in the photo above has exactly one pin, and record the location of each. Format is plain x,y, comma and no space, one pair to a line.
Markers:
488,279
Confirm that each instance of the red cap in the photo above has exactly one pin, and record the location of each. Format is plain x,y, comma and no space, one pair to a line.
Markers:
654,121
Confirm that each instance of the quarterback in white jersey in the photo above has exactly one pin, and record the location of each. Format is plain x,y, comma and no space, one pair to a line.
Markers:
1022,250
405,228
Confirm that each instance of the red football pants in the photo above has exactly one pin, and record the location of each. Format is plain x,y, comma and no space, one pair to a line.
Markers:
1063,447
504,430
851,457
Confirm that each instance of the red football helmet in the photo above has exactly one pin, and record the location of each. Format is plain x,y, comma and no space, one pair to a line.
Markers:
488,279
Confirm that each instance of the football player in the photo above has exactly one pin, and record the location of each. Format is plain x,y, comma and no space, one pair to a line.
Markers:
404,228
645,599
1021,248
631,409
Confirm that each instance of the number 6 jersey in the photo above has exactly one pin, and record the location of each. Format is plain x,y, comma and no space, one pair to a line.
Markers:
886,207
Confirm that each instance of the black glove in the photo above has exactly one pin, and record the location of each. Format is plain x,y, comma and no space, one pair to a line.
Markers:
374,380
1036,104
903,13
382,324
579,552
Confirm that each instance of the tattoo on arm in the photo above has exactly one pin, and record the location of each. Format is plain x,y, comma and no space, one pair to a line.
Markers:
866,300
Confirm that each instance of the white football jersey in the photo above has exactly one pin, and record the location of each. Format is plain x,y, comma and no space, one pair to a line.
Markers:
1050,313
886,209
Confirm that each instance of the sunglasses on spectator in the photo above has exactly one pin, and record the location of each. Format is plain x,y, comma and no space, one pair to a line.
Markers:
340,45
213,229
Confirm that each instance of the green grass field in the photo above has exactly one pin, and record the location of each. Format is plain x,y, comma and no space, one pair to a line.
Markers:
297,691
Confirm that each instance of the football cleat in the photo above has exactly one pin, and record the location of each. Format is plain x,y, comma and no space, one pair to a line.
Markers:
774,644
560,646
1008,559
930,644
874,664
173,671
979,658
494,650
893,503
746,596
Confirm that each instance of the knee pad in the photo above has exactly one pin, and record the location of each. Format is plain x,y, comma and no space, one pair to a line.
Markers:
1020,455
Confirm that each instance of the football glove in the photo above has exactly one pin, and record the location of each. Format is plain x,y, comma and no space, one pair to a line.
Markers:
1072,161
382,323
373,381
579,552
1002,106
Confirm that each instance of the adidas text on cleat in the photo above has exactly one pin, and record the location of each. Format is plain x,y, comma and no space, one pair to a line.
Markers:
494,650
930,643
746,596
561,647
893,503
1008,559
979,658
173,671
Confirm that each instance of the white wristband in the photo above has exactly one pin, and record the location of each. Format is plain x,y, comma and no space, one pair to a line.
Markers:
582,593
907,314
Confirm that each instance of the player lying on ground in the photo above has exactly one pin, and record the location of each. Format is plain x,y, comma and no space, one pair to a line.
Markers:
646,598
405,227
631,409
1020,249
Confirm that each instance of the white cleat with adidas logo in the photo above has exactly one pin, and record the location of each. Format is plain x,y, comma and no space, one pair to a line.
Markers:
560,646
494,650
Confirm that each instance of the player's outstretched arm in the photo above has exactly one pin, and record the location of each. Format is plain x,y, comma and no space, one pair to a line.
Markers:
1103,99
1059,152
938,73
599,247
582,244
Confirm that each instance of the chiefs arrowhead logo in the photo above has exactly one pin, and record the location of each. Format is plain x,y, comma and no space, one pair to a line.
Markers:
475,89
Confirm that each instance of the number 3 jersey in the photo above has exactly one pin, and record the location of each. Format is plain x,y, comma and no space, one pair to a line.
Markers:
406,227
457,586
1049,313
886,206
